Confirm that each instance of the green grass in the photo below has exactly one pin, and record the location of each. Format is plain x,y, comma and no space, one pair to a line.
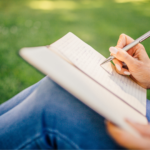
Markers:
28,24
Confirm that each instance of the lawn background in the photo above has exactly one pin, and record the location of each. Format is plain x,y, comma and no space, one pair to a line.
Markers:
36,23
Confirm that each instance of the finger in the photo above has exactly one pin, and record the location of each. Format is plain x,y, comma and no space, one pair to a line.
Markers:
143,56
119,68
124,40
122,56
123,71
118,65
143,129
116,61
126,139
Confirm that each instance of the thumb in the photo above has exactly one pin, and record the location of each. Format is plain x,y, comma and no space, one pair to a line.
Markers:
122,56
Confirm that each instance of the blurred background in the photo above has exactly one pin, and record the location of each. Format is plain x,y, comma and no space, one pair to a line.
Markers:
29,23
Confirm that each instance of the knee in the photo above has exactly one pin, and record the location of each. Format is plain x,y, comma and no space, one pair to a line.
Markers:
50,95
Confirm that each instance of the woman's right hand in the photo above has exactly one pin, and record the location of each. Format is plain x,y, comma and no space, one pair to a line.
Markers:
136,59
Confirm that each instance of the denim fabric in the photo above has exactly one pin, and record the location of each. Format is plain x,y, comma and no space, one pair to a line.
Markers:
148,110
45,116
18,98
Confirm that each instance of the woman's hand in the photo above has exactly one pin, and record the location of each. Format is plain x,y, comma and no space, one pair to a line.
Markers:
129,141
136,59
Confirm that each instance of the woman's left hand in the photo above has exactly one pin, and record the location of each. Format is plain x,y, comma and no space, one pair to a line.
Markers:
128,140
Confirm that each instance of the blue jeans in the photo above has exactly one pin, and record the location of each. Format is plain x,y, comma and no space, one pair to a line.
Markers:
45,116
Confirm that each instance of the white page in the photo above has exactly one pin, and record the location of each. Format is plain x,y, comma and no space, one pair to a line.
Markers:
88,60
83,87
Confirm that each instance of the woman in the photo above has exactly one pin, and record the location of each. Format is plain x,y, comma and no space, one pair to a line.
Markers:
45,116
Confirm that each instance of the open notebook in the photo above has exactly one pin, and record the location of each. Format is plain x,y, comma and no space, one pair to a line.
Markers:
75,66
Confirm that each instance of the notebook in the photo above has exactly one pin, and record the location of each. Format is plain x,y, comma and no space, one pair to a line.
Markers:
75,66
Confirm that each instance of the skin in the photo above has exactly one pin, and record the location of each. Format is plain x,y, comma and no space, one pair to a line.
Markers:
129,141
136,59
138,64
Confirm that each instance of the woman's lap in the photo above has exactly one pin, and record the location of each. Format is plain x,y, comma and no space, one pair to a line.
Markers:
14,101
50,117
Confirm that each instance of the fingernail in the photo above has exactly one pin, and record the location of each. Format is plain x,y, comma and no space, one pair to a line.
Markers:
127,73
113,50
118,67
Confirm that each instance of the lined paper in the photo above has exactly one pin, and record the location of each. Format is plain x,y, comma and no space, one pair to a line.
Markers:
88,60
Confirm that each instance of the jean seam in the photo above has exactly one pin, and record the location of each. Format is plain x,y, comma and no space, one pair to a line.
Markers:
29,142
51,132
62,136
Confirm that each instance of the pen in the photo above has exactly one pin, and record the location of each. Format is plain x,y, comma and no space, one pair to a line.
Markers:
126,48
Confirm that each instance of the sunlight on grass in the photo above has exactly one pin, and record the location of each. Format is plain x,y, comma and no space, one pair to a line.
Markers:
126,1
51,5
68,5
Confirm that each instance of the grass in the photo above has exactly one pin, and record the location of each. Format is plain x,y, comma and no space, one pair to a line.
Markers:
37,23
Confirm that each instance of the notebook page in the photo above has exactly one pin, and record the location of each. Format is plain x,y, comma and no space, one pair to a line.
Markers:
88,61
